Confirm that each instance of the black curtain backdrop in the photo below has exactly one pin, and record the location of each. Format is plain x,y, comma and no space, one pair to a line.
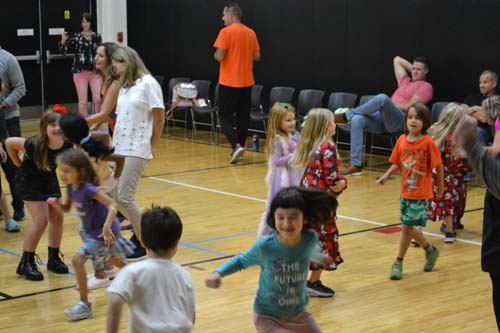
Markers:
333,45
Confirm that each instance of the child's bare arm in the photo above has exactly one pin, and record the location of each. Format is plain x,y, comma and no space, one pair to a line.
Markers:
107,234
389,172
63,204
114,312
214,280
440,180
14,146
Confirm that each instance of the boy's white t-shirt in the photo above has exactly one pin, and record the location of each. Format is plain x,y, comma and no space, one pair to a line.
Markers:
134,122
159,294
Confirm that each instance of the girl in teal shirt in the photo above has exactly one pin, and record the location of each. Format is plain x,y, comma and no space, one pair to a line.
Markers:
284,257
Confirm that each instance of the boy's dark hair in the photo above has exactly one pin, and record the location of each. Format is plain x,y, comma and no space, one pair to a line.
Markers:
76,129
423,114
161,228
316,205
422,60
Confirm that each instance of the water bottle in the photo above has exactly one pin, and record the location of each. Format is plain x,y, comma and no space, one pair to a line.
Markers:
255,142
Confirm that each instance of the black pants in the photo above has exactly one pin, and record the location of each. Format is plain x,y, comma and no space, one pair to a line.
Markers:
13,129
235,101
495,281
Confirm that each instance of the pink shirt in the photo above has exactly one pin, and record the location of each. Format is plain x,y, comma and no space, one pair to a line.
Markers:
407,89
497,125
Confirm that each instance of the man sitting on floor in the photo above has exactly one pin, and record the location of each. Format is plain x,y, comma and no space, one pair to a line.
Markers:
383,114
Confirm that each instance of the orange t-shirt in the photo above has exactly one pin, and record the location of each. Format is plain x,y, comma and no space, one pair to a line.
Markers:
416,160
240,43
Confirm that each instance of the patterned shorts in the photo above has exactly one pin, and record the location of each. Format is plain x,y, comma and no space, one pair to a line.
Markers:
99,253
413,212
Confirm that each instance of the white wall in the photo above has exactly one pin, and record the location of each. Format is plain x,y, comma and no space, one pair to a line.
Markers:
112,19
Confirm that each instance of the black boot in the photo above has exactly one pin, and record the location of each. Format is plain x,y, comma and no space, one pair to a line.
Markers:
27,267
55,264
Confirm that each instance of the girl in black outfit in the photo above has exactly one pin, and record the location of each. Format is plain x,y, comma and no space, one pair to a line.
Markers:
38,181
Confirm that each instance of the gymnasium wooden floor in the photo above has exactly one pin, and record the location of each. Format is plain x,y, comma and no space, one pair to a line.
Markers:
221,204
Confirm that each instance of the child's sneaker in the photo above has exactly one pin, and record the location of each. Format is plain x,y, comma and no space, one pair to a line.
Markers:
431,258
95,283
12,226
317,289
450,237
79,311
341,110
397,270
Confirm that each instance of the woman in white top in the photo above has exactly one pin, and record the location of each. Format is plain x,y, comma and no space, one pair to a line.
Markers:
140,118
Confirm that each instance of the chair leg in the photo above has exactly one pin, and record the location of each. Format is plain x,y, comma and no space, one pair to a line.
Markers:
193,126
213,129
218,128
185,122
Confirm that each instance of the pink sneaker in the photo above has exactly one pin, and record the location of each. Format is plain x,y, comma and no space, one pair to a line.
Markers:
94,283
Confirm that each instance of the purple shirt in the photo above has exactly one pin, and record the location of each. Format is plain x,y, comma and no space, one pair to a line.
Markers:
92,212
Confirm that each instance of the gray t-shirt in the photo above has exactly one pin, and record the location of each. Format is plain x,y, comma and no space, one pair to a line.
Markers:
13,80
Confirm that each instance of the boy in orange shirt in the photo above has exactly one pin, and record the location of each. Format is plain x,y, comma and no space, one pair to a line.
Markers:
416,155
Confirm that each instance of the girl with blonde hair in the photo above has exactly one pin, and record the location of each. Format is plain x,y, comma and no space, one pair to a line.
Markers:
317,153
282,139
452,205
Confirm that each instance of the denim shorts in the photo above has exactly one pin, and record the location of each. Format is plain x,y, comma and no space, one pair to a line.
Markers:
413,212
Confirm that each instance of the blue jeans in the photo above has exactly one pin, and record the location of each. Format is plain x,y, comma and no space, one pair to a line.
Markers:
378,115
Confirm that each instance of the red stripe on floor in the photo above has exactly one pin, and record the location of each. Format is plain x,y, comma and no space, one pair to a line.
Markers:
390,230
197,268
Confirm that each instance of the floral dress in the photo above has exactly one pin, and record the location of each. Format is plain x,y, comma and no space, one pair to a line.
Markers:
455,187
323,172
85,49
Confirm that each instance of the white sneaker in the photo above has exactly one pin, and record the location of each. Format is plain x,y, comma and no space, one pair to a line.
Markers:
95,283
237,154
79,311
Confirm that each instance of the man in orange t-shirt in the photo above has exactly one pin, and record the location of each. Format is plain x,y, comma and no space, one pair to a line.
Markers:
236,50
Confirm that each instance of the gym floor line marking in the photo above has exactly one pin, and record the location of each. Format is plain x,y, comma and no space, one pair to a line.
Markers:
38,293
207,189
5,296
204,169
